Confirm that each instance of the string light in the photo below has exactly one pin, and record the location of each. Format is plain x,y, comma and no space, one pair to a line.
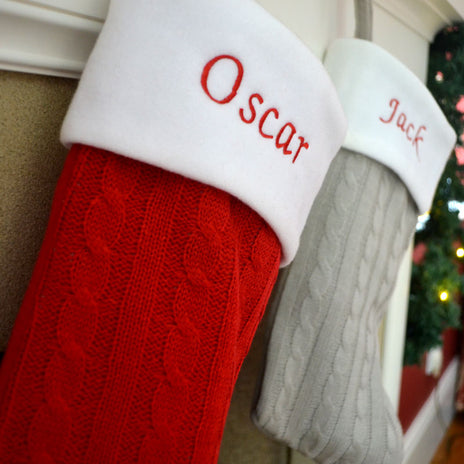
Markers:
444,295
422,220
460,252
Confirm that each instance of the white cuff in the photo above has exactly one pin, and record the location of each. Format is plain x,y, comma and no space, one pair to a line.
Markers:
217,91
392,117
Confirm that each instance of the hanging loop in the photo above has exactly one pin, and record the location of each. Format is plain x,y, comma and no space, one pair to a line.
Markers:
363,14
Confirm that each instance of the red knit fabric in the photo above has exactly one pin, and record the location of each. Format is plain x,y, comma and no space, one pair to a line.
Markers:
143,303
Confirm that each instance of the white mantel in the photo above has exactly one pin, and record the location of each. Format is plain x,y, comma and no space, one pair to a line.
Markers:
55,37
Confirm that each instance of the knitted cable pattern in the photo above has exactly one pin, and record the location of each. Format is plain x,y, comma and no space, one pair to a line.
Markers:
364,400
142,306
394,241
304,335
258,259
77,317
397,241
375,433
130,334
320,441
201,265
52,348
330,403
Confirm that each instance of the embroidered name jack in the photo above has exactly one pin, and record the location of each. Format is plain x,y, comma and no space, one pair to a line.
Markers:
285,135
410,132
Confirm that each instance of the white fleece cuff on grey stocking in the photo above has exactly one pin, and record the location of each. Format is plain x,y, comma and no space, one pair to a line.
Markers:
322,391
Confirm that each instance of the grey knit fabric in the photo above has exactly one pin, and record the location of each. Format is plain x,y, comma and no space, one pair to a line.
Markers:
321,391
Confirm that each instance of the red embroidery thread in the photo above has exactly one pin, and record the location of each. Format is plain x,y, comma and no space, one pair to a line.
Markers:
401,122
253,101
263,120
238,79
285,144
241,112
303,144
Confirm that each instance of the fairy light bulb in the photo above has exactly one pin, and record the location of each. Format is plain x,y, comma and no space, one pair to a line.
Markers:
444,295
460,252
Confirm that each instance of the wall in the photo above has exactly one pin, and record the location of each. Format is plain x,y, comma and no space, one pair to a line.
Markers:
242,442
31,108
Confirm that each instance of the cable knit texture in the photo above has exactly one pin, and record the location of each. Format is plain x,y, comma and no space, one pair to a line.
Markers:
143,303
322,390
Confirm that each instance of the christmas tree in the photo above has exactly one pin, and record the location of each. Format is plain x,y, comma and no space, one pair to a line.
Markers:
438,258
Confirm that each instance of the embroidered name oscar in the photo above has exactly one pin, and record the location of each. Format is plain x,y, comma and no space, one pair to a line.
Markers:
410,132
283,138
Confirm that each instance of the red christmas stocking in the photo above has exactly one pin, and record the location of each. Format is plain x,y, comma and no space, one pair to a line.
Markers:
146,295
165,241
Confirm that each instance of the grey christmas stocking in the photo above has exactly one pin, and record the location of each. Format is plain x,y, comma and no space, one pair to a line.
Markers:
321,391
